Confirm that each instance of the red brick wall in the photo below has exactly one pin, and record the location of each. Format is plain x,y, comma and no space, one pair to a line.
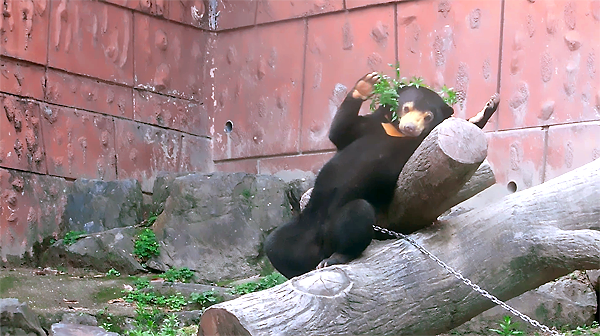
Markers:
280,79
96,90
128,88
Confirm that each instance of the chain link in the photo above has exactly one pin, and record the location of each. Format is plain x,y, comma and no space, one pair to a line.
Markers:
468,282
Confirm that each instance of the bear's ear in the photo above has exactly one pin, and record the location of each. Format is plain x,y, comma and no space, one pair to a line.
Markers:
447,111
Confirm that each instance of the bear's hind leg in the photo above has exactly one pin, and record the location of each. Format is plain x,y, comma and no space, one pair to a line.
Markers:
352,232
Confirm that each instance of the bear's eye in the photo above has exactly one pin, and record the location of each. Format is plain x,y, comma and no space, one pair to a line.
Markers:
405,109
428,117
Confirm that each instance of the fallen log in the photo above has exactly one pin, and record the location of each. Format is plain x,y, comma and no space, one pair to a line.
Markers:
523,241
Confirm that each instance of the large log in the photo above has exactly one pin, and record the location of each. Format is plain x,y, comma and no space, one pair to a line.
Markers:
482,179
521,242
434,174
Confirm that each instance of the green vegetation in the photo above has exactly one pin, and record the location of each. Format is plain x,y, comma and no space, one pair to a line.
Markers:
508,328
385,93
151,319
146,246
206,299
246,193
269,281
104,294
113,273
592,330
7,283
183,274
72,236
146,298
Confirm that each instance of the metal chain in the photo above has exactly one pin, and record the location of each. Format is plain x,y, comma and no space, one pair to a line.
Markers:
468,282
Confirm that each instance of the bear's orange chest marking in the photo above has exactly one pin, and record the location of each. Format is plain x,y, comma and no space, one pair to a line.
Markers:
391,130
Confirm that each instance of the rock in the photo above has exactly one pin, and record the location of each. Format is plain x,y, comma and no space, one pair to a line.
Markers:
17,319
594,276
162,189
297,188
34,204
215,223
96,205
570,300
100,251
71,329
79,318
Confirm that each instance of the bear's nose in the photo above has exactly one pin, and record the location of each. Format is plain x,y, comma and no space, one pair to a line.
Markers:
409,129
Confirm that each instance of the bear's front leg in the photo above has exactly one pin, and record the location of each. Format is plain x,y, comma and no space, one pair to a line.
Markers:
486,113
343,127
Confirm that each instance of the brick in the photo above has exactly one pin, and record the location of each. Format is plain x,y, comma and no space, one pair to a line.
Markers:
196,154
357,42
246,166
230,13
235,13
21,78
21,143
305,162
31,208
517,156
169,57
158,8
571,146
24,26
453,43
191,12
360,3
258,87
78,143
92,38
90,94
275,10
143,151
550,72
175,113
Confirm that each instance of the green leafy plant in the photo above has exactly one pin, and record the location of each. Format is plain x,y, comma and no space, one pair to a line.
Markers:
183,274
508,328
206,299
269,281
147,298
113,273
152,219
72,236
385,92
146,246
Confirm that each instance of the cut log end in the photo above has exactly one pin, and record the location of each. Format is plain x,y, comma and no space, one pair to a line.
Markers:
462,141
220,322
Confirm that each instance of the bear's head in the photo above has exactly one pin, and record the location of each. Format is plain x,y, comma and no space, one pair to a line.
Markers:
419,111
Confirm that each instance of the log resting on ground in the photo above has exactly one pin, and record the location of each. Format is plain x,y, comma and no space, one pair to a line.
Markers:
509,247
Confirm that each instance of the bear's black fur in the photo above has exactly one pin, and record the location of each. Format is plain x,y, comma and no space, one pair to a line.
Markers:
358,183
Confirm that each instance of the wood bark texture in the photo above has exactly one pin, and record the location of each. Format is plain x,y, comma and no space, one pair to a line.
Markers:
435,173
509,247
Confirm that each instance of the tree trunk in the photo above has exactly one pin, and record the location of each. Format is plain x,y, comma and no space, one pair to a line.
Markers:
434,174
517,244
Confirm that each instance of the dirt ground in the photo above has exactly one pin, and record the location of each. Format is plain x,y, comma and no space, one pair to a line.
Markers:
51,293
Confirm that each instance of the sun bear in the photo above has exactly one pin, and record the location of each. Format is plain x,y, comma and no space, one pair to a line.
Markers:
358,182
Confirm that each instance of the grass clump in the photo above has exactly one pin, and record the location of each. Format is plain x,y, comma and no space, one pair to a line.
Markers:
269,281
183,274
145,245
72,236
206,299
